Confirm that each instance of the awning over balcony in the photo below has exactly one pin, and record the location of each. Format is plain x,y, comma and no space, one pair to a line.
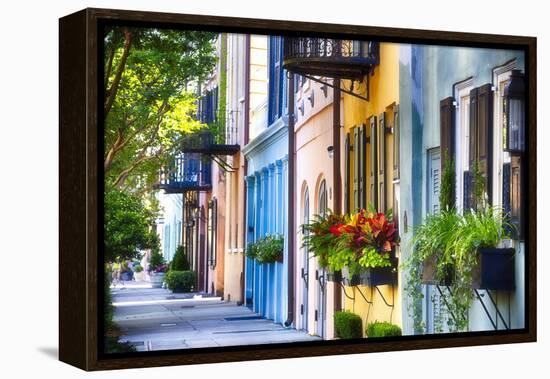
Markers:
340,59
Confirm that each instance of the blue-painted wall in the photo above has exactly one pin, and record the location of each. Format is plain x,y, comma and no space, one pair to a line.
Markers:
266,289
427,75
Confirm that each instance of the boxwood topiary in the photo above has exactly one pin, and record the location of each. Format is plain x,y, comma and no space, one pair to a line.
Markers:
179,262
348,325
180,281
382,329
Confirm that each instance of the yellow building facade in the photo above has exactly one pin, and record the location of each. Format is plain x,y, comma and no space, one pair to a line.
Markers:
371,125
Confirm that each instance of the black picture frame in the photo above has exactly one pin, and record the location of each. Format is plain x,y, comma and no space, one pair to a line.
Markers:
80,189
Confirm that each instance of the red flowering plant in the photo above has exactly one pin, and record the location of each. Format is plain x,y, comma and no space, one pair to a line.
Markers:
320,236
365,240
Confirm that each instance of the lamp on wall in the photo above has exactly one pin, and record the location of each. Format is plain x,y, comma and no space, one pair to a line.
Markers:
514,111
330,151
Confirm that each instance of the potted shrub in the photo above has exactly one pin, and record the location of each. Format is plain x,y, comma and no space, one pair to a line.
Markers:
320,236
180,262
180,281
157,269
365,249
138,272
382,329
347,325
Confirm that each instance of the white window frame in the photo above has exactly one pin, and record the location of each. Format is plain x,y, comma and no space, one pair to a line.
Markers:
462,135
501,75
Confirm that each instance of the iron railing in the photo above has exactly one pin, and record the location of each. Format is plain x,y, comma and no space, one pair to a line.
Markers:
330,57
188,172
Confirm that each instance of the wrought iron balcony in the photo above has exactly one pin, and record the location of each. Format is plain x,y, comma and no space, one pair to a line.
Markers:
209,141
188,172
342,59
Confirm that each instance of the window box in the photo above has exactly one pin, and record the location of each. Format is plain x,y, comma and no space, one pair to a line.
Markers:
495,269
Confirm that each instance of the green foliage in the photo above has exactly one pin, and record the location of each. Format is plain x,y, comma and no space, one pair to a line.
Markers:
453,239
347,325
447,191
111,330
180,281
268,249
138,268
127,226
156,260
149,106
318,238
478,186
179,262
382,329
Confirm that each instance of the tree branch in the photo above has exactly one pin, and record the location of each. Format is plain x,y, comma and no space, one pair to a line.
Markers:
112,91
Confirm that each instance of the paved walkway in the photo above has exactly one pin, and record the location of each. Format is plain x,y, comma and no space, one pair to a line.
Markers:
156,319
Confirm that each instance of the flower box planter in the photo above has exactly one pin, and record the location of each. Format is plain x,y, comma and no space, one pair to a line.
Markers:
157,278
377,276
334,276
495,269
429,273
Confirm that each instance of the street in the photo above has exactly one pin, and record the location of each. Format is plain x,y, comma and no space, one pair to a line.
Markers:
157,319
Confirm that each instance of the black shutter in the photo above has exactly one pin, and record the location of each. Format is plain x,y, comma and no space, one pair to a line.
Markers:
382,199
481,135
447,130
396,142
362,166
516,201
506,187
485,137
356,150
346,174
373,162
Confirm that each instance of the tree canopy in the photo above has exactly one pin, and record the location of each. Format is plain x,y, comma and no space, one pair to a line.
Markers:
127,225
149,103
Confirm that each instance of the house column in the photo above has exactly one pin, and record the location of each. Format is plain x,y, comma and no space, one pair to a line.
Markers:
249,233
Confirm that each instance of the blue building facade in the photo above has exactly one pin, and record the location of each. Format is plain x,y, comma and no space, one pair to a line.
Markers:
266,288
438,79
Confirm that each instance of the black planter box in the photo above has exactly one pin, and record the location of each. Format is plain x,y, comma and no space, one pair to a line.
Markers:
371,277
429,273
334,276
495,269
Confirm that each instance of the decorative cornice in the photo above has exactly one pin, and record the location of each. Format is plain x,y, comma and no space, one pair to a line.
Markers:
267,137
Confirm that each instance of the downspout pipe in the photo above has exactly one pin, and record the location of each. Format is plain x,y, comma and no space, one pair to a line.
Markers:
246,126
336,174
291,197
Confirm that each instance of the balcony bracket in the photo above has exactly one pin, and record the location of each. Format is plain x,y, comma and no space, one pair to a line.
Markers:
494,321
349,92
345,292
384,299
363,296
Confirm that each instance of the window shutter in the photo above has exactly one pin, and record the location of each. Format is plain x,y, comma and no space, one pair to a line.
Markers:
382,162
396,142
467,201
481,135
346,174
447,130
373,162
356,150
362,166
485,136
506,187
516,201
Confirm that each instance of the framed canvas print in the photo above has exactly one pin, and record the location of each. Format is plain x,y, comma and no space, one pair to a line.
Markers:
241,189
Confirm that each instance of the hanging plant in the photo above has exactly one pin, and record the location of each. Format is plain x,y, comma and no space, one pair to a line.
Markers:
268,249
320,236
365,241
